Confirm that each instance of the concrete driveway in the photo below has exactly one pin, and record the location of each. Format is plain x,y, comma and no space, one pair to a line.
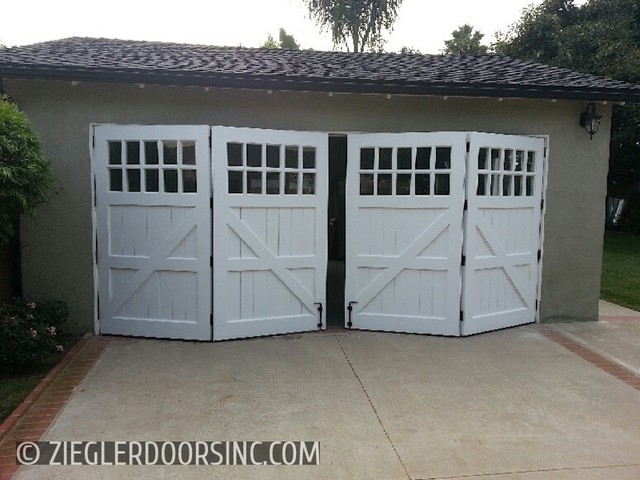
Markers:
514,404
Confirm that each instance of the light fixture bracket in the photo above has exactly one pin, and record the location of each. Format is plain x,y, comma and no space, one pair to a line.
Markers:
590,120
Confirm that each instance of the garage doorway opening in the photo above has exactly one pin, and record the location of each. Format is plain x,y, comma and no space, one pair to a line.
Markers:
336,231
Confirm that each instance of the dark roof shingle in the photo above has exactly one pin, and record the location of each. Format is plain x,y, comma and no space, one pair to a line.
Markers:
110,60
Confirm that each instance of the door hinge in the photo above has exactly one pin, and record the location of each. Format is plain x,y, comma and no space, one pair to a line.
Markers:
542,204
465,207
461,316
320,312
211,203
468,146
211,319
463,260
537,305
539,255
210,142
211,261
350,309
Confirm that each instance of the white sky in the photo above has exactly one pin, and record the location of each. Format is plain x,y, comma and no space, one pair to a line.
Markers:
421,24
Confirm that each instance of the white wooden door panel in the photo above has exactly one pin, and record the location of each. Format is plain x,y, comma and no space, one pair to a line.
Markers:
405,196
502,237
154,230
270,231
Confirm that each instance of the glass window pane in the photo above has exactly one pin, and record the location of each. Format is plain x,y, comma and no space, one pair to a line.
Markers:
519,160
495,185
291,156
384,184
273,183
443,158
133,180
188,153
235,182
151,153
366,184
254,155
171,181
309,183
133,153
189,181
254,182
366,159
291,183
385,156
517,186
273,156
403,184
234,155
170,152
152,181
404,159
423,159
308,157
115,153
482,159
529,186
531,161
423,186
495,159
441,186
115,180
481,190
508,159
506,186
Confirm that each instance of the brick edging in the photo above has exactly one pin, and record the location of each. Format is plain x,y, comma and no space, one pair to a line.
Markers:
600,361
30,399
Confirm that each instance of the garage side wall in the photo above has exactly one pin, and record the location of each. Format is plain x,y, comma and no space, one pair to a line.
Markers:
58,252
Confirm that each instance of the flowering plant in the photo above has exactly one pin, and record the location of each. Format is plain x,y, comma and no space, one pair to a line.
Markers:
29,331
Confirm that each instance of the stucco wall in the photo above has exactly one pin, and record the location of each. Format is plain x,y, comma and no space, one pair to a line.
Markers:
58,258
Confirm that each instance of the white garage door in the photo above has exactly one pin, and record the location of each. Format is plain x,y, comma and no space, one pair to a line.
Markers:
270,231
405,197
153,230
502,235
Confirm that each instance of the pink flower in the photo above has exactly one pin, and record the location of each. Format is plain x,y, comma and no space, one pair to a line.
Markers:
31,305
29,316
34,333
51,331
59,348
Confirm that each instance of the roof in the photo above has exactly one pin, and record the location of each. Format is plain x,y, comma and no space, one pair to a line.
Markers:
127,61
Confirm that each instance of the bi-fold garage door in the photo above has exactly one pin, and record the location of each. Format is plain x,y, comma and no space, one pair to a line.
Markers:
443,231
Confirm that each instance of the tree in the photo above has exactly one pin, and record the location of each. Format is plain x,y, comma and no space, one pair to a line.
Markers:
285,41
410,51
25,178
601,37
356,24
465,41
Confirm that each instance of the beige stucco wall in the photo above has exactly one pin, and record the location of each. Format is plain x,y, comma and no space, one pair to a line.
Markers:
58,250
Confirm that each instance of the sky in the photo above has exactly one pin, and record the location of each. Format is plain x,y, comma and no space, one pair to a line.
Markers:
421,24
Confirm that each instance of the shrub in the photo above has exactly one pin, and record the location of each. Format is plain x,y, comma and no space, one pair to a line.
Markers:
29,331
25,175
630,221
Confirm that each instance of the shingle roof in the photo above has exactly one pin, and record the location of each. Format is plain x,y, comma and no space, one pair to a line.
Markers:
110,60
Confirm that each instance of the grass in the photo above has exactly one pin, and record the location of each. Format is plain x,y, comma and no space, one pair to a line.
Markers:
621,269
16,382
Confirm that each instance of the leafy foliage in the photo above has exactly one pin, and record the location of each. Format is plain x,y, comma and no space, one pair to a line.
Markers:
29,331
601,37
285,41
465,41
356,24
25,175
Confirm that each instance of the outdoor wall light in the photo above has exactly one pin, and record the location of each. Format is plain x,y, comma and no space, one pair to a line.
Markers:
590,120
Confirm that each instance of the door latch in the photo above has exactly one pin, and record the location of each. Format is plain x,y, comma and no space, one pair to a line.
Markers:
350,309
319,311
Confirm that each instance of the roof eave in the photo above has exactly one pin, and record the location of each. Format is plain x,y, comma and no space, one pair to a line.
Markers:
276,82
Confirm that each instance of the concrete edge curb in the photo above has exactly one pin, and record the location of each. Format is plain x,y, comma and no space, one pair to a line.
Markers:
30,399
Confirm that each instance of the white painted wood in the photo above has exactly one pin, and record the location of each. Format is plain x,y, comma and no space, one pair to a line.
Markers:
154,277
502,236
403,251
270,250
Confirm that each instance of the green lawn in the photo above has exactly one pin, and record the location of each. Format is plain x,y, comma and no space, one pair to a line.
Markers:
621,269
